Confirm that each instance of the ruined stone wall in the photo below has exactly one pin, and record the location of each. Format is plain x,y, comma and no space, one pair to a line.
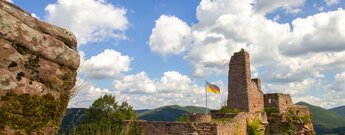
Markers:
244,93
280,102
236,126
223,115
296,120
174,128
200,117
38,64
256,96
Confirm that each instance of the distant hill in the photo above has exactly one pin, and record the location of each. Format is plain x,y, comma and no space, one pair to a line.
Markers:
325,121
339,110
168,113
140,111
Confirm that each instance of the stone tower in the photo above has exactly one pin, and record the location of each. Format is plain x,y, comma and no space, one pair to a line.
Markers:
244,93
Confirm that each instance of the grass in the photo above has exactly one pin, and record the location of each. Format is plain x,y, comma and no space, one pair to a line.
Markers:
221,120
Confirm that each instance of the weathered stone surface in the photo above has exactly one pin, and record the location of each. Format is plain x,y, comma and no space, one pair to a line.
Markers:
236,126
278,101
244,92
200,117
296,120
38,62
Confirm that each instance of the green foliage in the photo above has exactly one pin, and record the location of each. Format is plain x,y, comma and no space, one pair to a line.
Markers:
224,109
306,119
242,50
235,110
253,127
221,120
31,113
270,110
184,118
105,116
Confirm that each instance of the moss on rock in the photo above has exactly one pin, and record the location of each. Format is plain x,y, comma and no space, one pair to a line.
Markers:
31,113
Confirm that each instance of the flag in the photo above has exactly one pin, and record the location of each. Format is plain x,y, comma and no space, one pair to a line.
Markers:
212,88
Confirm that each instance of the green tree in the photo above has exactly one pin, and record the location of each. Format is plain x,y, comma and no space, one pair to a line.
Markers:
184,118
105,117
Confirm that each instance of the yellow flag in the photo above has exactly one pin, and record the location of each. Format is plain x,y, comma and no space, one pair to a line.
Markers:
212,88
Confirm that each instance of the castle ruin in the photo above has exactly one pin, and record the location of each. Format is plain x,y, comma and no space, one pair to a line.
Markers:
274,111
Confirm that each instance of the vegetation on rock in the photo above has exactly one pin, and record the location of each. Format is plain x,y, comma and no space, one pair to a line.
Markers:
253,127
31,113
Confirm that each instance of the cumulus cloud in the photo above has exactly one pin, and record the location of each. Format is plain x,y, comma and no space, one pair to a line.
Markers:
267,6
87,93
108,64
291,58
332,2
79,16
172,88
143,92
318,33
220,34
293,88
170,36
138,83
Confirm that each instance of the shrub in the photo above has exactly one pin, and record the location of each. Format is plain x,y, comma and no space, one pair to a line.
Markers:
184,118
253,127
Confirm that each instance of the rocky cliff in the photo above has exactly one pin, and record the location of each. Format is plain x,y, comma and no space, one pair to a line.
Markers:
38,63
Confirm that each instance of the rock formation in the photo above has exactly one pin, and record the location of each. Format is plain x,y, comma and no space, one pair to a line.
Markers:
38,64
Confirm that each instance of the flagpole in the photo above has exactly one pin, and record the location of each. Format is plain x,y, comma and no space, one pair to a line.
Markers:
206,95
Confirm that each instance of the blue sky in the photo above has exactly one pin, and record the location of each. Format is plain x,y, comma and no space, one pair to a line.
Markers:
159,52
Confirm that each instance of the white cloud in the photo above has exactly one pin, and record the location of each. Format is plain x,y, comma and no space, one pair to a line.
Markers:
332,2
219,34
318,33
171,89
267,6
143,92
173,81
89,20
290,58
87,93
170,36
10,1
138,84
108,64
292,88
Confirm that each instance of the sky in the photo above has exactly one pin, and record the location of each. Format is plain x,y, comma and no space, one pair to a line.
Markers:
152,53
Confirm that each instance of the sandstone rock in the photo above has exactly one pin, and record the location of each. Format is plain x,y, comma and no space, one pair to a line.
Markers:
38,63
